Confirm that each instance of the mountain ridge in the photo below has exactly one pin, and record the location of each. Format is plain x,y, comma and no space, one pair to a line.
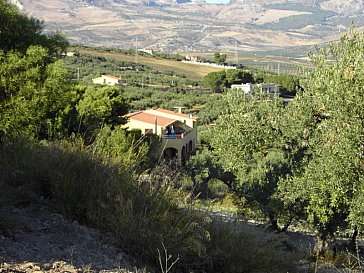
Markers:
170,25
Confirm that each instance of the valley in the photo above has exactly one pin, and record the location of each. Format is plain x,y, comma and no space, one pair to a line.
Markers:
241,26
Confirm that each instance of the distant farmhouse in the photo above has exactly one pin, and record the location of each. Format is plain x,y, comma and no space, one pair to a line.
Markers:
148,51
271,89
193,58
178,132
108,80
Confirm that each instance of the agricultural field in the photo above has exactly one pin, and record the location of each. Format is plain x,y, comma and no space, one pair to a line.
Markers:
193,72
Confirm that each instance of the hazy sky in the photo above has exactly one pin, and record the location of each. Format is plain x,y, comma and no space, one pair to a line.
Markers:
217,1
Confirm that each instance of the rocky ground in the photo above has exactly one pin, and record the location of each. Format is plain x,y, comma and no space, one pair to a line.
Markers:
35,239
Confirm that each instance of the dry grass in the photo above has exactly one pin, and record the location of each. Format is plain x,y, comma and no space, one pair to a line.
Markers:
194,72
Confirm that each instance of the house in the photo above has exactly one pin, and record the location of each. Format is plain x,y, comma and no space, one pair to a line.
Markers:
245,87
148,51
192,58
177,131
108,80
268,88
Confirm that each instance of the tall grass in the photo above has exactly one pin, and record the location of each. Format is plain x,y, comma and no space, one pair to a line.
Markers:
144,215
101,194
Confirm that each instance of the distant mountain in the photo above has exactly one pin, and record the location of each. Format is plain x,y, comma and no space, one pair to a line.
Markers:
194,25
349,7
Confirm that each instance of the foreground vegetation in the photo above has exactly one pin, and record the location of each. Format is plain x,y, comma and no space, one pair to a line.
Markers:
61,144
61,141
303,160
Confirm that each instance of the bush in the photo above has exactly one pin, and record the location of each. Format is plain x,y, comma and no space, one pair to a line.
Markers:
237,247
145,215
142,215
217,189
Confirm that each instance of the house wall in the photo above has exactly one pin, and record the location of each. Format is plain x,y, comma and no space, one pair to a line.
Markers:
186,144
247,88
106,81
178,144
269,88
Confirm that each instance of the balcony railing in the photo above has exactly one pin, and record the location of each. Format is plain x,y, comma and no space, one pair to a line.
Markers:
176,135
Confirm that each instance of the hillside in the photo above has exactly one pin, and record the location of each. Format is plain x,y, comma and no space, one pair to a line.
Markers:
35,239
197,26
193,72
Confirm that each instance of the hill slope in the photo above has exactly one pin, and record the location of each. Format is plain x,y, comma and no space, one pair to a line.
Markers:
196,26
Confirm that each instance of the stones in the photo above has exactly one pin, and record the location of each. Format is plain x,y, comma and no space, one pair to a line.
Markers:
39,241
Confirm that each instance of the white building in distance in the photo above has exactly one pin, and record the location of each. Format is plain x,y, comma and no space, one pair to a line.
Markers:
268,88
108,80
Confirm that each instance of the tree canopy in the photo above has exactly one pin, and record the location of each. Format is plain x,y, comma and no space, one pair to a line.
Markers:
217,81
305,158
18,32
220,58
33,93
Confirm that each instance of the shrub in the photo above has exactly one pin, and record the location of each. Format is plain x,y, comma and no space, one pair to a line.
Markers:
141,214
217,189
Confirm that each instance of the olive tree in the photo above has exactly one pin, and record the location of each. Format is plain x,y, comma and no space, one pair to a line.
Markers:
305,159
248,140
329,119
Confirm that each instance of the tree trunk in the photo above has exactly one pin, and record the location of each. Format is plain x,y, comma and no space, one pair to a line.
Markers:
288,223
352,244
273,221
325,243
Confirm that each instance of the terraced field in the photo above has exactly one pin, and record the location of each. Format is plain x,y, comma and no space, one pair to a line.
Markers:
194,72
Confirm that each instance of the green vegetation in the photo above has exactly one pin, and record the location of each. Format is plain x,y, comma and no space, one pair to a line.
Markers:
302,160
62,144
220,58
190,71
18,32
219,81
34,94
61,141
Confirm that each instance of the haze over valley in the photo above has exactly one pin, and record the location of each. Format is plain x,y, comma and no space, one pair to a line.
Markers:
270,27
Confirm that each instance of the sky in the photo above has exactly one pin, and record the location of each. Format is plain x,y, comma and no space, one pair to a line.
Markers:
217,1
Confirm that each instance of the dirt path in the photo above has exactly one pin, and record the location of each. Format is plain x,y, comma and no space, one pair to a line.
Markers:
34,239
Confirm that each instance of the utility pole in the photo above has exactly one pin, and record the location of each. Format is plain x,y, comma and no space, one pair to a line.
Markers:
236,53
78,73
136,50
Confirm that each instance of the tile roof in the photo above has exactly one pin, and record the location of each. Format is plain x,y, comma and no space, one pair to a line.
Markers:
150,118
174,113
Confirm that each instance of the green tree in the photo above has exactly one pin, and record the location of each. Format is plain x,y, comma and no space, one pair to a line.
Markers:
248,141
122,147
304,159
203,169
33,93
18,32
330,124
99,106
220,58
215,81
234,76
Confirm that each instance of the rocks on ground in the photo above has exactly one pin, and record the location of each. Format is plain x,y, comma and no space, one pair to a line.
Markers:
34,239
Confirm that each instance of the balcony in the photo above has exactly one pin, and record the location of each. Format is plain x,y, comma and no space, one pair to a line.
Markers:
177,135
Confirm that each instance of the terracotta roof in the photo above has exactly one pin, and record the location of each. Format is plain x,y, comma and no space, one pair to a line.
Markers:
150,118
174,113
